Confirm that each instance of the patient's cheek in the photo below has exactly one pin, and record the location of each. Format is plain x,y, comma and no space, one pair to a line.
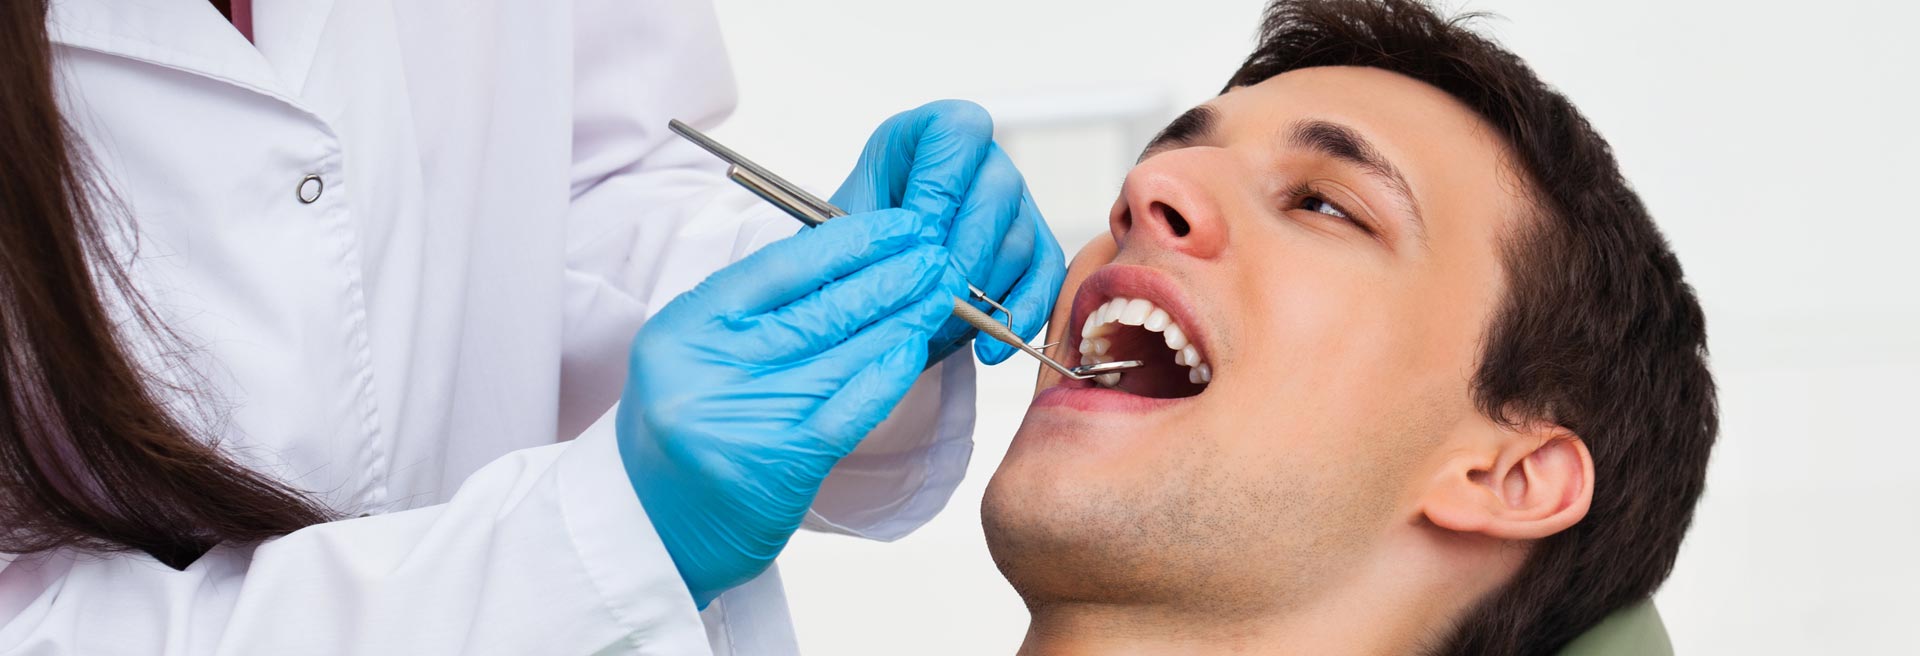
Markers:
1095,254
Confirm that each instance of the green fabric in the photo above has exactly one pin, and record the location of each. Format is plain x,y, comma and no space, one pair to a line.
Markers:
1632,631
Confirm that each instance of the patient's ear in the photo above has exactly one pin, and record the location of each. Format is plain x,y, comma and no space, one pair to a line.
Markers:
1520,483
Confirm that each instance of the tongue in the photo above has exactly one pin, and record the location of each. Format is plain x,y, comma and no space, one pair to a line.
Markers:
1161,377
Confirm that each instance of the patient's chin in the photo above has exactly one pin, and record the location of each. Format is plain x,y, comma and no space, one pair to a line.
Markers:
1193,529
1058,539
1048,551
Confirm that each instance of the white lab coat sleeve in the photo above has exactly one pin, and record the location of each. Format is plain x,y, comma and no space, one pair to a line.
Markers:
652,216
544,551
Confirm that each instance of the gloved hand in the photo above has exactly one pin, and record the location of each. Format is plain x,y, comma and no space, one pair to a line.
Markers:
744,392
940,160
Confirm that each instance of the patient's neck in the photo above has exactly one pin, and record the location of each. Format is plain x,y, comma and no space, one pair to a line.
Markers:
1083,628
1382,607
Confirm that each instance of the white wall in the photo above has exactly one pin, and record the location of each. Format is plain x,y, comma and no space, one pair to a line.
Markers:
1773,140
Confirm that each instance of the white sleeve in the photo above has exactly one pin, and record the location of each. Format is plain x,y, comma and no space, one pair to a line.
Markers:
653,215
545,551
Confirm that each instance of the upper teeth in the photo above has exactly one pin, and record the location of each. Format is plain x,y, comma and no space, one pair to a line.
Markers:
1141,312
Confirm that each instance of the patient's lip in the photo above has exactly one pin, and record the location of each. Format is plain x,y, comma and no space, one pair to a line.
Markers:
1082,395
1129,281
1134,281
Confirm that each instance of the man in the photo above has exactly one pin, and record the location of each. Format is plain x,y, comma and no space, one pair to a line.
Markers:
1423,377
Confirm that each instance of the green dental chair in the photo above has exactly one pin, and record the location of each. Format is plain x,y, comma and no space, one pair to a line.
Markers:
1632,631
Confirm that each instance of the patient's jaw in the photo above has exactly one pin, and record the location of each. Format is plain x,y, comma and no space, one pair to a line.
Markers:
1336,466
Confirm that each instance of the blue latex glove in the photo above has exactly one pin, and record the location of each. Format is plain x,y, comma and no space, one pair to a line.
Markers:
940,160
744,392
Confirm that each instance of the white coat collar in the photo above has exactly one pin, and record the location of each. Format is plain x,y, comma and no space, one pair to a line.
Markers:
191,36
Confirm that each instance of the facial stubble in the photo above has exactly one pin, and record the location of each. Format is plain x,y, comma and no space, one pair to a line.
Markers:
1191,537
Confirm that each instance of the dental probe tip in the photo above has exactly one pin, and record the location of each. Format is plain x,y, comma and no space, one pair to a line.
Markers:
996,330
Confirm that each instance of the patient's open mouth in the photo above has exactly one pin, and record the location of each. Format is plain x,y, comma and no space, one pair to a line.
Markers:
1136,329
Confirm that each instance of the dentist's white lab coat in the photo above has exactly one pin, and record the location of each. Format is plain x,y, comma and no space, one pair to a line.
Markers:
498,208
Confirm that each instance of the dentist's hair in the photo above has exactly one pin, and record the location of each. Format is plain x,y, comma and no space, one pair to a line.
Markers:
90,456
1599,332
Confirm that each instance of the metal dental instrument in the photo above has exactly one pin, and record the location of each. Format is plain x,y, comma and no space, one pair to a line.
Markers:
806,207
812,211
986,324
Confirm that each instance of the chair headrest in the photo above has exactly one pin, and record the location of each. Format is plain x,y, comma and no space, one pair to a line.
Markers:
1632,631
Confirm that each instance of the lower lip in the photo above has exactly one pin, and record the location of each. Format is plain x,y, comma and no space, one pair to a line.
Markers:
1091,398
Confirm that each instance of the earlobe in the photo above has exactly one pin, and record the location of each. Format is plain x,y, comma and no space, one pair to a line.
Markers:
1529,485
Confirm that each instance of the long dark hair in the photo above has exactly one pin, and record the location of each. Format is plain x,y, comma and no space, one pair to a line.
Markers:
90,457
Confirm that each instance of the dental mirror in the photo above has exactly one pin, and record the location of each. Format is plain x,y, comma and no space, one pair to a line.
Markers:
1086,371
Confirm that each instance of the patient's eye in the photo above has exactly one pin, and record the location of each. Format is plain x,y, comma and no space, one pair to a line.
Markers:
1318,204
1306,197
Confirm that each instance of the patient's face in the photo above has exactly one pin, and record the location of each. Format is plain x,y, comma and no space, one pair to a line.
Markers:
1337,318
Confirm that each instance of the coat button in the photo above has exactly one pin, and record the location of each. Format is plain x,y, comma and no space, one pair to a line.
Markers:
310,188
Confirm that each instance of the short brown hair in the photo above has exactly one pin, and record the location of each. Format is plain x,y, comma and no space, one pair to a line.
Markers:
1598,333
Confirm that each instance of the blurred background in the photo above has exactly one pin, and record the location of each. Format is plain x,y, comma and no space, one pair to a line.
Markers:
1774,141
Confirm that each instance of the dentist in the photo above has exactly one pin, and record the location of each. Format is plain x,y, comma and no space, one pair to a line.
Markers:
312,315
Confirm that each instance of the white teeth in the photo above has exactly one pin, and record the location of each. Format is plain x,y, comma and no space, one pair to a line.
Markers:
1176,339
1157,321
1095,342
1200,374
1105,380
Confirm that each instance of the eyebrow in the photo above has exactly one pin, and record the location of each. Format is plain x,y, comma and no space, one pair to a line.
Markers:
1326,137
1185,130
1346,144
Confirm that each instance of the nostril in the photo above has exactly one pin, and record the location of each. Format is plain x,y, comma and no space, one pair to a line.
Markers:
1174,220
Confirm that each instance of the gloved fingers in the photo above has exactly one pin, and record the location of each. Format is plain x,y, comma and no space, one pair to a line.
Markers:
1019,250
955,332
1033,296
991,208
879,366
982,232
923,159
794,267
950,141
838,311
879,177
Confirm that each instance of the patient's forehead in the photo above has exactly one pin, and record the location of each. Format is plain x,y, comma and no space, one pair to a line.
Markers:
1457,166
1392,109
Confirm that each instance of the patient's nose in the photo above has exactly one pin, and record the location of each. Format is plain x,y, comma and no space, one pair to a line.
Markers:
1165,203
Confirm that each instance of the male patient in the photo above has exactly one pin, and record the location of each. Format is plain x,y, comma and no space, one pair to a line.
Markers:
1423,377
